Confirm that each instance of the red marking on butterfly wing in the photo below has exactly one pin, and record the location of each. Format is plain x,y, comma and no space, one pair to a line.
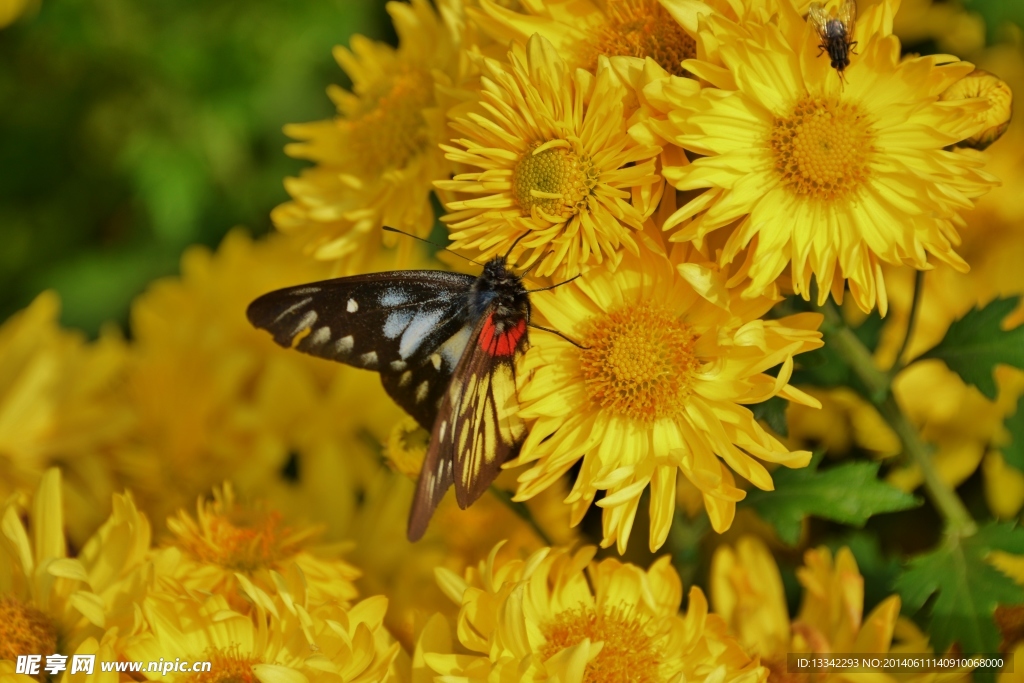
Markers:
503,343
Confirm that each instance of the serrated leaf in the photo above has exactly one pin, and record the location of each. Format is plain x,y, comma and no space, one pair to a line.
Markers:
975,344
773,412
966,587
850,493
1013,452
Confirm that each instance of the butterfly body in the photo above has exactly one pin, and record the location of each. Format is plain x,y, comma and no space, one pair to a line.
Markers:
445,345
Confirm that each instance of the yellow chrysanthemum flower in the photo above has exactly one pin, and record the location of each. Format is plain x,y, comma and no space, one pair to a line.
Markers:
198,375
377,159
60,405
455,539
46,604
666,359
747,591
228,539
279,644
559,615
829,180
582,31
556,165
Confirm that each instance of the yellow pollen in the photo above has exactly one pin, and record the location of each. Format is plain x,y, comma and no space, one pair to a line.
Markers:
639,362
628,654
822,150
24,630
639,28
390,128
556,180
243,540
226,666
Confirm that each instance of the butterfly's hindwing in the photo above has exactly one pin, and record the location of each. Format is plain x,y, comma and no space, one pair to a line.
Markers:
478,427
406,325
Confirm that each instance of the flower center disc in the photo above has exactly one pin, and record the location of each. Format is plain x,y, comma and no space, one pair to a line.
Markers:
640,28
822,150
226,667
628,654
553,178
391,129
24,630
244,541
639,362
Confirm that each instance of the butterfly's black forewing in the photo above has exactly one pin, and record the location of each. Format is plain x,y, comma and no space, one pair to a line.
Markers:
478,428
410,326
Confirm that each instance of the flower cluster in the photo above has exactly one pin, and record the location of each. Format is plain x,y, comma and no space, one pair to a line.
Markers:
703,209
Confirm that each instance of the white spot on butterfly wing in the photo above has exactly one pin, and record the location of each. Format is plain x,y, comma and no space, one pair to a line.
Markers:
421,391
292,308
418,330
435,360
305,322
393,297
451,351
369,359
442,430
352,306
320,336
405,378
305,290
398,365
396,322
345,344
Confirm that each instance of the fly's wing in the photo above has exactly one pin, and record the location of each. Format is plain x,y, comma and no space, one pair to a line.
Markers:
410,326
848,15
819,17
478,427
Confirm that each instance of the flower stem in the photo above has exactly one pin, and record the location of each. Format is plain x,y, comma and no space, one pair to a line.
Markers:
898,364
879,389
523,512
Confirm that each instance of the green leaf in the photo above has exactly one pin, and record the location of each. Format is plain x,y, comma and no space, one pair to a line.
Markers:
1013,452
849,493
773,412
975,344
966,587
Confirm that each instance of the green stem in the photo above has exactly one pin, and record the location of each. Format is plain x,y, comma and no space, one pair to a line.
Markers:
523,512
879,387
898,364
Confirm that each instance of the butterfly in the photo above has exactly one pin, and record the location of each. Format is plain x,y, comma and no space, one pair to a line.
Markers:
446,346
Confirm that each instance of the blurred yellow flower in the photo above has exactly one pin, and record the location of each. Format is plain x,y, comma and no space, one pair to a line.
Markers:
582,31
228,539
556,165
46,605
746,590
667,357
326,643
61,404
559,615
456,539
198,371
10,10
377,159
828,180
993,90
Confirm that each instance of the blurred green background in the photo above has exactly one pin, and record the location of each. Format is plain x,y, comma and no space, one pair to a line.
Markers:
130,130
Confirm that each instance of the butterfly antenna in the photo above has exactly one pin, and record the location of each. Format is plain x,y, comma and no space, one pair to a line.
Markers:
387,228
518,239
559,284
548,329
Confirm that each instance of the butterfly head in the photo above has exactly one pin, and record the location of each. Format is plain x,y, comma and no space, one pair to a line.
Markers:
499,290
